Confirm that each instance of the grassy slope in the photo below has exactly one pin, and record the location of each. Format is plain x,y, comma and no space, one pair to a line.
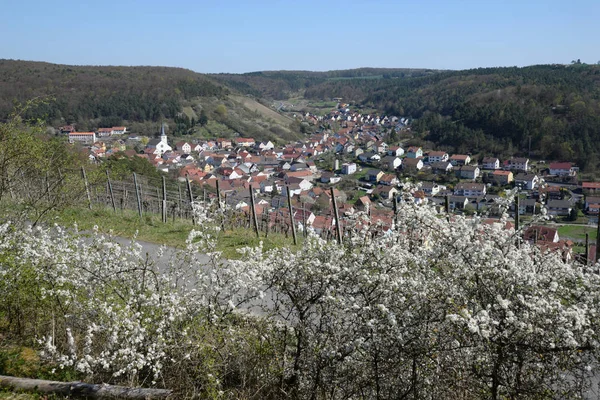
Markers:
266,112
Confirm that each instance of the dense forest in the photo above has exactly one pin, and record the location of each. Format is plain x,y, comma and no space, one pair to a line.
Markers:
109,95
555,109
282,85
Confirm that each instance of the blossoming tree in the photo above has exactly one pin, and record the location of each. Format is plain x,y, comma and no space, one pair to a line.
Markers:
432,308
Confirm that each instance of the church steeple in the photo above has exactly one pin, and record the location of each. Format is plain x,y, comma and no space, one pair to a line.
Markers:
163,135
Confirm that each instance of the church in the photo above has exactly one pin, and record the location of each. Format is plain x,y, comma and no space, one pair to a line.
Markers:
160,146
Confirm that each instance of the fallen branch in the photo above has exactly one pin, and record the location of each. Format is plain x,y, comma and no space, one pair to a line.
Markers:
81,389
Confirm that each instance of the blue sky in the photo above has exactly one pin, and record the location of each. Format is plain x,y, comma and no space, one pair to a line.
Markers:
243,36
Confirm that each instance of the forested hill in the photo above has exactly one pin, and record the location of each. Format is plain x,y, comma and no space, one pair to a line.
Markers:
282,85
82,93
499,110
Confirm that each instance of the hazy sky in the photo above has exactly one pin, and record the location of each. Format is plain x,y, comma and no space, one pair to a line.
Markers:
243,36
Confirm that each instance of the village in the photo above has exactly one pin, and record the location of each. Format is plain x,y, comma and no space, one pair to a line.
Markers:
366,163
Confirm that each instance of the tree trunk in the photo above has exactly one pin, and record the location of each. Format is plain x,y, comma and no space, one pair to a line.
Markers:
81,389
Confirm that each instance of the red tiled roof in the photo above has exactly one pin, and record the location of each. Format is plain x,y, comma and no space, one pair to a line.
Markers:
591,185
561,165
544,233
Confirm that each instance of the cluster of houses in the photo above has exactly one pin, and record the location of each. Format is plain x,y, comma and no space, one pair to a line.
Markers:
242,164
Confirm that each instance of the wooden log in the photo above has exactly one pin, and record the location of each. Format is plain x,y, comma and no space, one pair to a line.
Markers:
338,225
218,194
81,389
179,209
87,187
396,212
110,192
587,248
253,211
164,200
191,197
137,195
595,260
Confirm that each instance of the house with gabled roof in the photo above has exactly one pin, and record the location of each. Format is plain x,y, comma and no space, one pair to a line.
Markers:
470,189
385,192
363,203
431,188
526,181
537,233
392,162
442,167
502,177
186,147
457,202
412,164
469,172
559,207
389,179
592,205
414,152
590,187
437,156
374,175
395,151
460,159
224,143
369,156
490,163
519,164
563,169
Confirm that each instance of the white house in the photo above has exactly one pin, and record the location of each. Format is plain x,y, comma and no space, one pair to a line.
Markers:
562,169
469,172
348,168
527,181
184,146
490,163
266,145
460,159
437,156
412,164
119,130
519,164
414,152
392,162
82,137
369,156
395,151
470,189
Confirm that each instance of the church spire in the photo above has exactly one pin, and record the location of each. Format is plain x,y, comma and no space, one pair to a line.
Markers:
162,129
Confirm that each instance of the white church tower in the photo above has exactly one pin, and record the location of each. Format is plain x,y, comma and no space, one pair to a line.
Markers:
160,146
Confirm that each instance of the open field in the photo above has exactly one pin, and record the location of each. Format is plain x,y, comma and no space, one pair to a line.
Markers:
576,233
189,111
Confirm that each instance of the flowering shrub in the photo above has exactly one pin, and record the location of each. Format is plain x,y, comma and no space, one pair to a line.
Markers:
433,308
